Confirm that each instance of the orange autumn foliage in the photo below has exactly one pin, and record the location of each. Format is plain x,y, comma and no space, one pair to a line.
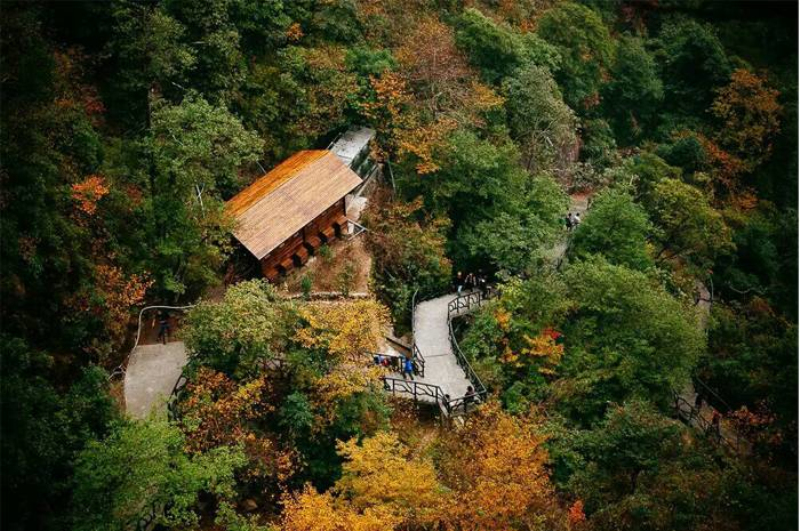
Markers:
88,192
219,411
445,89
111,298
383,486
434,66
576,514
295,32
750,116
389,110
725,166
544,349
499,474
348,332
344,380
422,141
382,471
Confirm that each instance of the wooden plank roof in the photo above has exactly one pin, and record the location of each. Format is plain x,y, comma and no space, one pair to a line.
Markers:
287,198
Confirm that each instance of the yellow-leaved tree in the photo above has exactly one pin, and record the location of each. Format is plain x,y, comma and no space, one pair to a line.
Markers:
381,471
383,486
347,332
497,466
344,329
312,511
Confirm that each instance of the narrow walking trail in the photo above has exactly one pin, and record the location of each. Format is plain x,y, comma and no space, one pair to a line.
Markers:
578,204
431,335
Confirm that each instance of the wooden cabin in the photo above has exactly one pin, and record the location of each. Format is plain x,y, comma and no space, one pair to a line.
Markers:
286,215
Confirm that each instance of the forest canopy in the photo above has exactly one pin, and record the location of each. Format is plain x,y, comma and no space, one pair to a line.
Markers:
669,127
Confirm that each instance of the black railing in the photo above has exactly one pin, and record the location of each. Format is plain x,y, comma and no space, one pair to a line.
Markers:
418,360
711,396
418,390
692,416
449,406
477,384
432,394
467,301
416,355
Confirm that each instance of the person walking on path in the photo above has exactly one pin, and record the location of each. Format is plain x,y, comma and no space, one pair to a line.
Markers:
716,430
408,369
163,327
469,397
459,282
698,405
576,220
469,282
482,285
568,221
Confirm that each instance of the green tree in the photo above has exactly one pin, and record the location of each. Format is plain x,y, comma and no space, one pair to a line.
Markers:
616,228
539,121
149,50
511,239
219,66
626,337
599,147
686,224
632,97
631,444
43,430
502,338
140,469
497,50
586,51
693,63
477,178
751,362
196,150
251,325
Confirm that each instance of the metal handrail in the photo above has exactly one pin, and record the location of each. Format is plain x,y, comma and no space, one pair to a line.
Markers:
467,301
461,359
418,360
449,405
413,387
416,353
120,369
421,389
712,393
694,414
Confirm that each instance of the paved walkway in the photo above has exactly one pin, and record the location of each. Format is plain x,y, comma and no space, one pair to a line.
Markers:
151,374
431,335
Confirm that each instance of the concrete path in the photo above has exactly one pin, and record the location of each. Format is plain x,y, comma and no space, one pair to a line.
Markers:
431,335
151,374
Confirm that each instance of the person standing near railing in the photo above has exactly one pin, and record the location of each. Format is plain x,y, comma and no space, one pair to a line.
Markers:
469,282
482,284
408,369
716,431
469,396
459,282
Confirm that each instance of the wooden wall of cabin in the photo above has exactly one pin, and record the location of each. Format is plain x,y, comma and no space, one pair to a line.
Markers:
310,234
